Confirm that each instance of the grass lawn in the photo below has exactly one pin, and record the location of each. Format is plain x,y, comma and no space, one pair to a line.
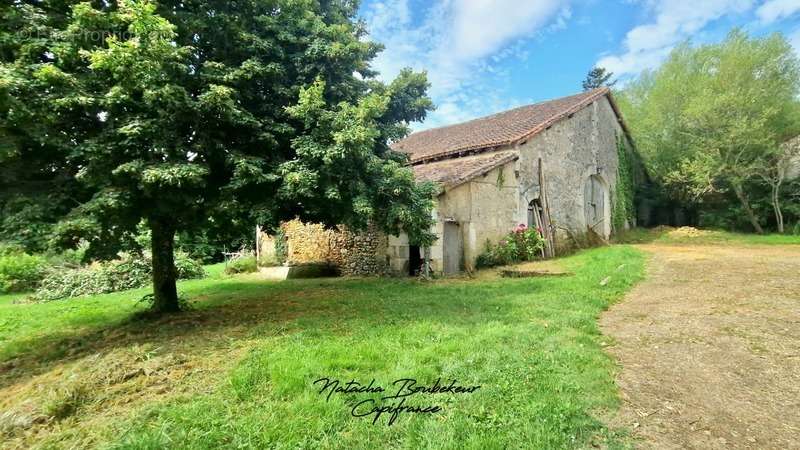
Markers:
237,370
702,236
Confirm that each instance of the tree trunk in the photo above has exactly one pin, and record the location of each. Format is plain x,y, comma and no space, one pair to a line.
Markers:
165,292
747,209
776,205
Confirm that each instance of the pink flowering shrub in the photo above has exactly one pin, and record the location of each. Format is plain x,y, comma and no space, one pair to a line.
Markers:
522,244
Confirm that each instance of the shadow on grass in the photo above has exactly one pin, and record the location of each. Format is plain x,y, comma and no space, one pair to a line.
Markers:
236,310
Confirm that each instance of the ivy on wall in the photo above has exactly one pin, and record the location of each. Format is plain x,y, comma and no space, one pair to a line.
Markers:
622,209
501,179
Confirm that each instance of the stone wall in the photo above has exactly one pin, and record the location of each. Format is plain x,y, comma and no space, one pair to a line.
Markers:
485,208
306,242
361,253
353,253
495,206
490,206
572,150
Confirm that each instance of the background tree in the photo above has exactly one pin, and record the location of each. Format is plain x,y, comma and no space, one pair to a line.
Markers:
775,170
711,116
598,77
185,113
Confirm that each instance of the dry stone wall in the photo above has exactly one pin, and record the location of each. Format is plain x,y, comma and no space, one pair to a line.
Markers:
352,253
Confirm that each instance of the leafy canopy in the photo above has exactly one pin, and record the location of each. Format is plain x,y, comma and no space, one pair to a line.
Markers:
195,115
190,111
711,115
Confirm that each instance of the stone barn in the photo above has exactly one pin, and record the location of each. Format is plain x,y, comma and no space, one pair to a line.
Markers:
488,172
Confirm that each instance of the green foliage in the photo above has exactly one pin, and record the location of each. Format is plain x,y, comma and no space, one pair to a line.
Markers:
26,221
622,208
710,118
166,113
501,179
187,268
7,249
598,77
70,258
20,272
281,246
335,149
129,272
522,244
245,264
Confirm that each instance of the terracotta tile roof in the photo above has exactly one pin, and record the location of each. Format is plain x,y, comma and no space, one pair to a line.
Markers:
496,130
453,172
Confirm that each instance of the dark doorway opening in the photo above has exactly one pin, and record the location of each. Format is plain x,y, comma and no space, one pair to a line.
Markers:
535,214
414,260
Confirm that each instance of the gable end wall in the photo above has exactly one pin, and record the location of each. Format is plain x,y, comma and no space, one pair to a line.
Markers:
572,150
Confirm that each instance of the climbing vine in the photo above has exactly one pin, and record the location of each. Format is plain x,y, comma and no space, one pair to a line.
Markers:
622,197
501,179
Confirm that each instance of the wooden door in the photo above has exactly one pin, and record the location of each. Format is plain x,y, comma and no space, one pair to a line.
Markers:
453,248
594,199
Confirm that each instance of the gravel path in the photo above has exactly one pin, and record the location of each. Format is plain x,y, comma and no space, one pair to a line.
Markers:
709,348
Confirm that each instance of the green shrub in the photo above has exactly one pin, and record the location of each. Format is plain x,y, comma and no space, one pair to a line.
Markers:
7,249
522,244
245,264
20,272
188,268
73,258
129,272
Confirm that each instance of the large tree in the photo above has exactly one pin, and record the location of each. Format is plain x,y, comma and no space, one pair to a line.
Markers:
183,112
710,118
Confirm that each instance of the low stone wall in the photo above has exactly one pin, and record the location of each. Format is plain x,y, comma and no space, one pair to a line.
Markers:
307,242
353,253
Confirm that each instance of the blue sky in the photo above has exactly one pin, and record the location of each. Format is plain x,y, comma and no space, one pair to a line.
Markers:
485,56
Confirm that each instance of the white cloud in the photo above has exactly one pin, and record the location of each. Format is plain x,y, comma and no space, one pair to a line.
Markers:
458,41
773,10
675,20
483,26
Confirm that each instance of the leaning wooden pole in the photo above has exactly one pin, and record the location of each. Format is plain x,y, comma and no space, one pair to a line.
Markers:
547,229
537,218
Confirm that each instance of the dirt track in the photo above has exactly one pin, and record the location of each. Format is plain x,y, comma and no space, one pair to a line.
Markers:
709,348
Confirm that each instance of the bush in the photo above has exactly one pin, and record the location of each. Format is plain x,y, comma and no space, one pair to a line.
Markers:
522,244
20,272
188,268
129,272
72,258
7,249
245,264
